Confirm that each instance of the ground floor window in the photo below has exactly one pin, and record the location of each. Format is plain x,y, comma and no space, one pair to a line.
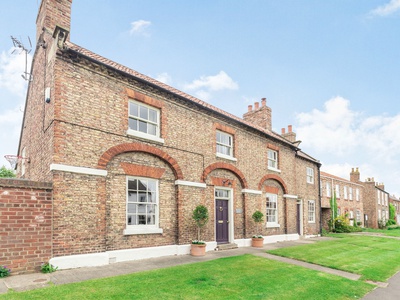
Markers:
142,203
311,211
272,210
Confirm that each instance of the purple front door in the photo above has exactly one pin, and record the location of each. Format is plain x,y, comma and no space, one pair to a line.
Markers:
221,221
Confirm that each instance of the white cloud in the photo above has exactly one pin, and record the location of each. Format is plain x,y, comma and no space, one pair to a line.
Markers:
164,78
12,66
218,82
342,139
139,27
10,127
386,9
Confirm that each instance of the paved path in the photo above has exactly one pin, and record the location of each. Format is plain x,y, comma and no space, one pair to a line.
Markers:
38,280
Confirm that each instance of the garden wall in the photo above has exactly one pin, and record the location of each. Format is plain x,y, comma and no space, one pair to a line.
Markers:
25,224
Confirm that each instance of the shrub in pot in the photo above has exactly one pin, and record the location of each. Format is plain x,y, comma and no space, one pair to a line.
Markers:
200,216
257,239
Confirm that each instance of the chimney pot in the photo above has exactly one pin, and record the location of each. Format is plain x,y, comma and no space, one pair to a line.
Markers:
283,130
250,108
290,128
256,105
263,101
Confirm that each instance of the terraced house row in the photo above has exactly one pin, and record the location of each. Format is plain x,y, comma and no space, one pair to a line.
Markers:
114,162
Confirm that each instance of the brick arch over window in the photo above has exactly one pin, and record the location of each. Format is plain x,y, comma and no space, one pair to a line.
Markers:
136,147
276,178
225,166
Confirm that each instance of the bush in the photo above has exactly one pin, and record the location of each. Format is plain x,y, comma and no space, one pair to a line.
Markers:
48,268
342,225
392,227
4,271
390,222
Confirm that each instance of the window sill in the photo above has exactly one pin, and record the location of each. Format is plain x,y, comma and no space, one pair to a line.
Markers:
273,225
310,182
226,157
132,231
274,169
311,222
145,136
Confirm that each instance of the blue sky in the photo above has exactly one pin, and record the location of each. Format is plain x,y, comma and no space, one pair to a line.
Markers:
330,68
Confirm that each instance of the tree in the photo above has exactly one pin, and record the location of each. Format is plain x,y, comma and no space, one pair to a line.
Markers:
6,173
200,216
392,212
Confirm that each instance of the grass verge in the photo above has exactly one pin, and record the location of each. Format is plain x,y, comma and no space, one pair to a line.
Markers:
375,258
239,277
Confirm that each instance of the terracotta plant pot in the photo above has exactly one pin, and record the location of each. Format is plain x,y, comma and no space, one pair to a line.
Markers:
198,249
257,242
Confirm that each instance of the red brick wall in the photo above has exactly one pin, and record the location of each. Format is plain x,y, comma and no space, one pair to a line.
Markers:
25,224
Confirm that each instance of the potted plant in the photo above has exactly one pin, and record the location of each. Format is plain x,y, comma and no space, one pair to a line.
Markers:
200,216
257,240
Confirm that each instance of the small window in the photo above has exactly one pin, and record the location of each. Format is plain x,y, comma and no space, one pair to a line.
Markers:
224,143
358,194
345,192
358,216
350,193
272,210
328,189
272,159
337,190
311,211
310,175
144,121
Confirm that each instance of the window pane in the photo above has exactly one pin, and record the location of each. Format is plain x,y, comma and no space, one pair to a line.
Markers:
133,124
152,129
141,208
142,197
142,185
131,208
132,184
153,115
132,197
142,126
133,109
151,220
144,112
141,219
132,220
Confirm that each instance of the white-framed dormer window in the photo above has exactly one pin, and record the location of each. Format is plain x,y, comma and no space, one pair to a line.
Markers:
142,208
328,189
350,193
310,175
144,121
272,210
224,144
337,191
345,192
358,194
272,159
311,211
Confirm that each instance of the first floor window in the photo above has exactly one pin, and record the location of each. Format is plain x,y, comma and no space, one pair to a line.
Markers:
337,190
144,118
224,143
358,215
328,189
310,175
142,202
272,209
311,211
272,159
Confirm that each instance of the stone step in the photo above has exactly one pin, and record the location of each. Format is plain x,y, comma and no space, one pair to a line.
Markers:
221,247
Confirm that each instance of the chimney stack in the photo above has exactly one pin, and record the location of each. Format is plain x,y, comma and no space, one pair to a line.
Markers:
290,135
53,13
260,116
354,175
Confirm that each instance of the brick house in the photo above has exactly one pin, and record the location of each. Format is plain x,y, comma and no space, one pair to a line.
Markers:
349,197
396,203
129,158
363,201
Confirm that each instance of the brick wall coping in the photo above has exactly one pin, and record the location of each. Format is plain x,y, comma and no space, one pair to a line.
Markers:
25,183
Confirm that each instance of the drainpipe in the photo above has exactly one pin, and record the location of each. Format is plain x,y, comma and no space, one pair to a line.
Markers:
320,200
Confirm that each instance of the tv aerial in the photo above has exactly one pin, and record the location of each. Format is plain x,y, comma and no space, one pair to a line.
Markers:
21,48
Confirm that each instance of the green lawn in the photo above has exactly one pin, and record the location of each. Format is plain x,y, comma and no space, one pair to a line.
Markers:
394,232
239,277
375,258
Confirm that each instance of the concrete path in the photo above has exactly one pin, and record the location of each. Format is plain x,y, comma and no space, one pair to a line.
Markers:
38,280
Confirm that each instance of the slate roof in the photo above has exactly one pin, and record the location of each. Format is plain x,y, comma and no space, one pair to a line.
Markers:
111,64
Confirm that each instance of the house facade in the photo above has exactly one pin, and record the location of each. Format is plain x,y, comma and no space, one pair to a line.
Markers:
349,198
129,158
396,203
